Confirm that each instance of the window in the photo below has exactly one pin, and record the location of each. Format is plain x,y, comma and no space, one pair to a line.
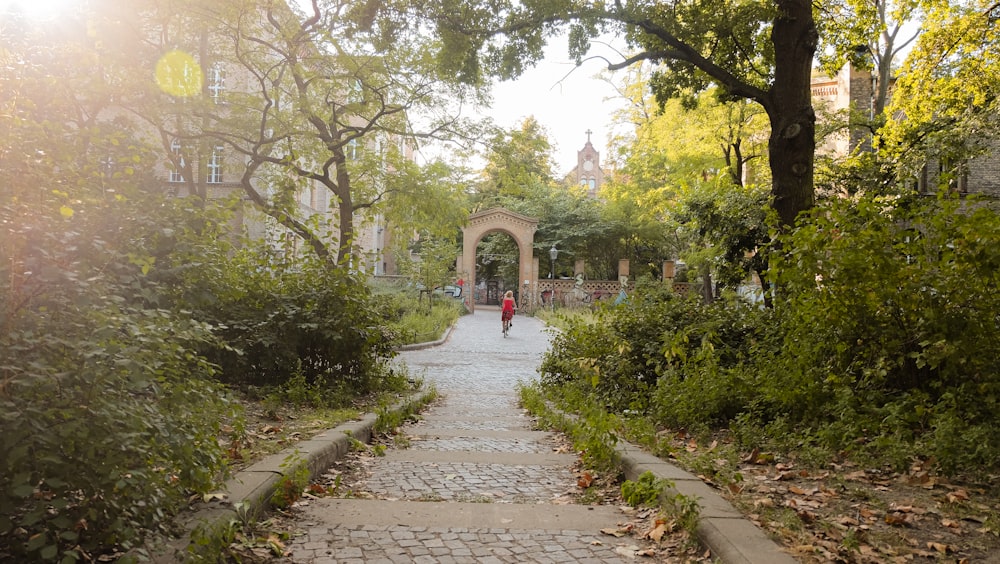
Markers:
216,82
215,166
176,172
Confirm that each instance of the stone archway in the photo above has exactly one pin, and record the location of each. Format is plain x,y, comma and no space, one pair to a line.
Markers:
520,227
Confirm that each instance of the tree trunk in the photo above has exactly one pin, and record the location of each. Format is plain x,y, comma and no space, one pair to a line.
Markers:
345,205
792,143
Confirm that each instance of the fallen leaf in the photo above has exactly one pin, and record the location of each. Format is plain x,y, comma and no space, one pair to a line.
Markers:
957,496
657,532
848,521
806,516
897,519
614,532
585,480
940,548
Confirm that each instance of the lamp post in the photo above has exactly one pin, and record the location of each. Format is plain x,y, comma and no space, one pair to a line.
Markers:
553,254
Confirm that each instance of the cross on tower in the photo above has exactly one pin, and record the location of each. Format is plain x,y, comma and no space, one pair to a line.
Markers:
588,132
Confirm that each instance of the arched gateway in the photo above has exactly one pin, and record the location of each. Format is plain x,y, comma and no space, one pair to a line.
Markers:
520,227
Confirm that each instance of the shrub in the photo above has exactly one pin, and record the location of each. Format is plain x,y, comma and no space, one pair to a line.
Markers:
886,313
108,417
275,321
880,342
661,352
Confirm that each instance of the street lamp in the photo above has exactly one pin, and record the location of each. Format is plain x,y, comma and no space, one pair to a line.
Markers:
553,254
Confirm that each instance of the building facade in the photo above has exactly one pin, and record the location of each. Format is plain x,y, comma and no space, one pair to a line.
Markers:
588,170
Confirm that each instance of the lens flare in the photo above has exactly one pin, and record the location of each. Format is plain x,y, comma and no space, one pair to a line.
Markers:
39,10
178,74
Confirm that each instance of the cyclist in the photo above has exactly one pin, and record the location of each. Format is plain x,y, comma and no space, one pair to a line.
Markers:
507,311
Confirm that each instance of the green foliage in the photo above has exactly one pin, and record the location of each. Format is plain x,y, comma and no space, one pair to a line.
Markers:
650,491
643,350
645,491
877,346
108,416
299,392
955,119
390,419
592,430
412,321
728,225
435,257
276,320
294,479
906,294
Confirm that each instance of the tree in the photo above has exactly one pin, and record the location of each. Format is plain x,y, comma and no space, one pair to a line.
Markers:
318,103
518,175
693,175
866,35
518,162
758,50
957,118
56,99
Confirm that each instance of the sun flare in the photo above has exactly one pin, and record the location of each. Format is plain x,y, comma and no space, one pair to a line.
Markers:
37,9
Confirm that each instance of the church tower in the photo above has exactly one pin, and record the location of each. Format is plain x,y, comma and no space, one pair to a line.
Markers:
588,168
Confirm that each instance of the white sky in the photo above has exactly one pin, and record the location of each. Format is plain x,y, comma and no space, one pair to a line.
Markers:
566,100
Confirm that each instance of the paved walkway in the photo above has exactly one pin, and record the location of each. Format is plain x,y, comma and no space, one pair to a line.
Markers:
476,484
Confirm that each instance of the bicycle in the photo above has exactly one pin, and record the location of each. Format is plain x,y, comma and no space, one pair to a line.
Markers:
507,323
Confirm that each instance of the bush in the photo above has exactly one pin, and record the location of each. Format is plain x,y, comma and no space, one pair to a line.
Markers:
888,311
413,321
276,321
661,352
880,344
108,417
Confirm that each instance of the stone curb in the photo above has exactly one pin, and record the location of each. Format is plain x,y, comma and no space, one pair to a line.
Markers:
251,489
428,344
730,536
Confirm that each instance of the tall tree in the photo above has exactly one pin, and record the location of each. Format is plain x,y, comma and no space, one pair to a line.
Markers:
311,101
869,35
695,173
957,118
757,50
517,163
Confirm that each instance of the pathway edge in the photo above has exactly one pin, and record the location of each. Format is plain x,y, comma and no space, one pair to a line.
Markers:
251,488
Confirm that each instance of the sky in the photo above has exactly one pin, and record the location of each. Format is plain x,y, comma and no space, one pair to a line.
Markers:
566,100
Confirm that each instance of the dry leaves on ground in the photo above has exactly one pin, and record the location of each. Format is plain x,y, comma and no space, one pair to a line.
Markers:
843,513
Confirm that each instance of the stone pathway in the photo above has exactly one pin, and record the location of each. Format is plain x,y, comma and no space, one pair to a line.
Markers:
477,483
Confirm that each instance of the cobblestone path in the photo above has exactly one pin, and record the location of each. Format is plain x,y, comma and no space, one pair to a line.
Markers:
476,483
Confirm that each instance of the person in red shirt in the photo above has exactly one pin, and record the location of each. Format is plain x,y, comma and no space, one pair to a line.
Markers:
507,311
